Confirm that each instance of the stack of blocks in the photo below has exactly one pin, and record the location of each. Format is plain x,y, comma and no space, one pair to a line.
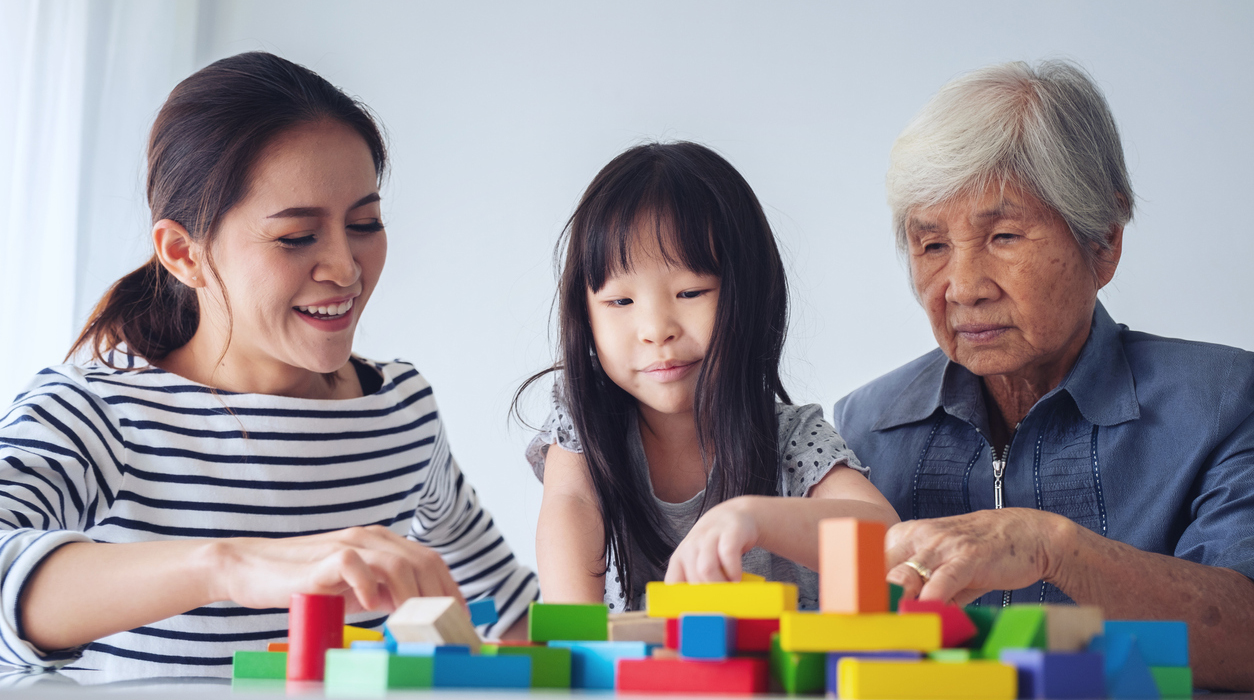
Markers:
864,643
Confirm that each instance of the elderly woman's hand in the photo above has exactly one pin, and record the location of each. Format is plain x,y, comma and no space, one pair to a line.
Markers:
972,554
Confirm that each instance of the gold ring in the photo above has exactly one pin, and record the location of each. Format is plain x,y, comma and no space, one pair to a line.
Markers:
923,572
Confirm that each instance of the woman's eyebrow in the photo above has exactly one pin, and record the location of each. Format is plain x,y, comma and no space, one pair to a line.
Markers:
315,212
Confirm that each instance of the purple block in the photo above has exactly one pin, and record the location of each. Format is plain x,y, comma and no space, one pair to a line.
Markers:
1057,676
833,660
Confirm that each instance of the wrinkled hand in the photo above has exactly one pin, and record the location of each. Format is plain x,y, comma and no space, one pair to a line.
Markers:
372,567
713,549
975,553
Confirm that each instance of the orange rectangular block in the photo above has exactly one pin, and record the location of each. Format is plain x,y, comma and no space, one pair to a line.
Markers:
851,566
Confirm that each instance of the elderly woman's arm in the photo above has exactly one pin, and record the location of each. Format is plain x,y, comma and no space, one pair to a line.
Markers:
1011,548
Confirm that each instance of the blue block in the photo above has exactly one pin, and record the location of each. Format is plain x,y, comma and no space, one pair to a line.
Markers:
454,649
593,664
458,671
482,612
1127,675
707,636
369,645
1057,676
833,659
430,649
1161,643
389,639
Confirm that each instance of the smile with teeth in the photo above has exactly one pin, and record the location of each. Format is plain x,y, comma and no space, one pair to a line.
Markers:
334,311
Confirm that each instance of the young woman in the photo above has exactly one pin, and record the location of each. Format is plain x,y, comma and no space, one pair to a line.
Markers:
223,448
672,443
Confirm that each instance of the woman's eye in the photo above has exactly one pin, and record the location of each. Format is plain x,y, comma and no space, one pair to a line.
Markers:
933,247
369,227
297,241
1005,237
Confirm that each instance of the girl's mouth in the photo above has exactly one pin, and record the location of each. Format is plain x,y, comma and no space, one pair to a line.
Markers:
326,313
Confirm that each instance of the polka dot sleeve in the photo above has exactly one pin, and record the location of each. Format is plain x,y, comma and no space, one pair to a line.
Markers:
559,429
809,447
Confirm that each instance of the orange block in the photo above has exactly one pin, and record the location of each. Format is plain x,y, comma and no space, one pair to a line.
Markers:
851,566
276,646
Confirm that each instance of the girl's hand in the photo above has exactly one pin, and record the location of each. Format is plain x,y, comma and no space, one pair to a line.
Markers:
372,567
713,549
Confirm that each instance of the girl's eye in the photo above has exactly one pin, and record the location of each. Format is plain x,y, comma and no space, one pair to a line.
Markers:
370,227
692,293
620,302
296,242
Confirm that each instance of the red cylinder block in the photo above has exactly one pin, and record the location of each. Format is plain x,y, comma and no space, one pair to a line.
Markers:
315,624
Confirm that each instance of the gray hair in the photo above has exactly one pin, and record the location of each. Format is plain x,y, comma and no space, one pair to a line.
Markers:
1047,129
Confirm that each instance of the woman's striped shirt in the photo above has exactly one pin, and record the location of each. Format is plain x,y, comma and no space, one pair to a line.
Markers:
90,453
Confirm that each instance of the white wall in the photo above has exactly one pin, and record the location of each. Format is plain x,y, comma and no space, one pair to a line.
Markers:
500,113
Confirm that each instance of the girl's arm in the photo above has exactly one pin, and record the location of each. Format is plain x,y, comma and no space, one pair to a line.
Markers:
788,527
570,537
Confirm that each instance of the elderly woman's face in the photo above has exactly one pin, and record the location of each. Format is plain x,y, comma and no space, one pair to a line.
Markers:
1003,282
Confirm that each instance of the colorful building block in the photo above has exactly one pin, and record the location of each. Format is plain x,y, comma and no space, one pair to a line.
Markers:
550,621
894,596
956,626
797,672
1017,627
315,624
360,634
1173,681
1071,627
800,631
259,664
743,601
357,671
738,676
1057,675
746,577
1127,675
671,640
366,645
953,656
415,649
465,671
983,618
637,627
706,636
434,620
1161,643
276,646
550,666
851,566
593,664
754,636
865,679
482,611
833,663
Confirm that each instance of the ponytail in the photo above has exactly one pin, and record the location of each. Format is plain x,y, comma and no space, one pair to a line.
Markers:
148,311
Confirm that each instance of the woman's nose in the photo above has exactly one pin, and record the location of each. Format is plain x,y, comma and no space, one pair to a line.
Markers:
969,281
337,264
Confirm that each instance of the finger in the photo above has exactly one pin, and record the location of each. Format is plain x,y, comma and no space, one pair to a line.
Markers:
899,544
910,581
947,581
729,557
708,567
398,578
675,569
346,567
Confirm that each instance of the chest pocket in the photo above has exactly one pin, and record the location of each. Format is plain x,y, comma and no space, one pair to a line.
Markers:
944,470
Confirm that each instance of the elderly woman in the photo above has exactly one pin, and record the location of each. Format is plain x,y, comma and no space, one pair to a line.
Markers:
1044,453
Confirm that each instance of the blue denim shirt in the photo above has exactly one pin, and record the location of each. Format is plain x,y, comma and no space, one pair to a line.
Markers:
1148,440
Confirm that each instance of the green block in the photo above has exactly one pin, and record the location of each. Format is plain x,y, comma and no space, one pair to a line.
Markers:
550,666
798,672
582,623
259,664
1017,627
894,595
953,656
349,671
983,617
1173,681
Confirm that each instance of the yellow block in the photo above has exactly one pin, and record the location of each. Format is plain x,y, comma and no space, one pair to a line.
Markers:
806,631
864,679
746,577
360,634
750,601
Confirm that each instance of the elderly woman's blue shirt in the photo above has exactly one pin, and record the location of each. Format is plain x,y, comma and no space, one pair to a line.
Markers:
1148,440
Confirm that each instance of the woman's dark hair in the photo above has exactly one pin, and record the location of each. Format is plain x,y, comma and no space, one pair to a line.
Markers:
707,219
204,144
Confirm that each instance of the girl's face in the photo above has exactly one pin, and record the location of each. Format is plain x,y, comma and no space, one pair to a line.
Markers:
300,255
652,328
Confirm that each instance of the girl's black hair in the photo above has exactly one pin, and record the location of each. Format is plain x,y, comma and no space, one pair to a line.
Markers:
706,219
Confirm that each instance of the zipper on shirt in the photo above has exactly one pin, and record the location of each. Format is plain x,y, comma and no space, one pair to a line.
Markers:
999,472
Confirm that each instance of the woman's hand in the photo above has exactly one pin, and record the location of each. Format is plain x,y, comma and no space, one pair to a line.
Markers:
372,567
972,554
713,548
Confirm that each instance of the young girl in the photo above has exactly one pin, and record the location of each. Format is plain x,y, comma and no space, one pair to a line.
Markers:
673,450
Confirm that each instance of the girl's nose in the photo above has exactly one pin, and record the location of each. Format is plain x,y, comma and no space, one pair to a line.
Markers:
658,328
336,264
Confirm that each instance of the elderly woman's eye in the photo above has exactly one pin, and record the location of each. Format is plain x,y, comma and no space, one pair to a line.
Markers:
1005,237
933,247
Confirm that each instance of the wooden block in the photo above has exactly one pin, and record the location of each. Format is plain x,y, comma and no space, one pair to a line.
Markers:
672,633
1071,627
637,627
276,646
705,636
366,645
1127,675
259,664
482,612
550,666
360,634
851,566
315,623
864,679
551,621
797,672
833,663
803,631
663,653
593,664
746,577
351,672
458,671
752,601
1057,675
894,596
1173,681
1017,627
956,626
953,656
739,676
983,618
433,620
755,635
1161,643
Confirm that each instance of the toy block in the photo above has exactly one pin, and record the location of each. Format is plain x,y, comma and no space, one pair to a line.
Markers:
956,627
550,666
1173,681
663,653
1057,675
754,636
259,664
276,646
743,601
1161,643
738,676
746,577
866,679
637,627
592,664
354,634
851,566
351,672
366,645
1017,627
1127,675
482,611
454,649
435,620
983,618
894,596
415,649
797,672
549,621
873,632
466,671
953,656
707,636
671,640
833,662
315,624
1071,627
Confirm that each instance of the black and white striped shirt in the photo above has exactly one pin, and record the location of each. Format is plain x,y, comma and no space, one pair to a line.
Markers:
90,453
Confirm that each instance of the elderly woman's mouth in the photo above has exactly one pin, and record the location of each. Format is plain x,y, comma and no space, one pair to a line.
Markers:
979,332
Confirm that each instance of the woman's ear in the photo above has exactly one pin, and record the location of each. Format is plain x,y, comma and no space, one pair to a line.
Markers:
1108,260
178,252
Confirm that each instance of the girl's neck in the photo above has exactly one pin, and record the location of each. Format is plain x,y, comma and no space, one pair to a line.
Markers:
676,469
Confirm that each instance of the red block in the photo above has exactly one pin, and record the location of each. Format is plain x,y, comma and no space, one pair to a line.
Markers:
739,676
315,623
956,627
755,635
671,640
